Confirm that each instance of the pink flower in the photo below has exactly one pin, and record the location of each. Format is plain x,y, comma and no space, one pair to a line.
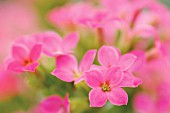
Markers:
54,104
54,45
106,87
109,56
68,69
24,59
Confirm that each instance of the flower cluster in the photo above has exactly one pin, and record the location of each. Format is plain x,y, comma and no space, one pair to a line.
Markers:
100,49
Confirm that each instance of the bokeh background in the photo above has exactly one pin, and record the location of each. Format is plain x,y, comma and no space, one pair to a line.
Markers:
24,17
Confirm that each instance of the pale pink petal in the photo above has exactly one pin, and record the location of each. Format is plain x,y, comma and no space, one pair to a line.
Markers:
127,81
107,56
15,66
126,61
114,76
87,60
97,97
19,53
63,75
35,52
52,39
70,41
31,67
94,78
117,96
67,62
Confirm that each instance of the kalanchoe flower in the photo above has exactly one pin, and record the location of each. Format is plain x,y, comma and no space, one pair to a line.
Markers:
106,86
68,69
109,56
24,59
54,104
54,45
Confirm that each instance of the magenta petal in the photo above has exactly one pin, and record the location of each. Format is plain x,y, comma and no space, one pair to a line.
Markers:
94,78
52,104
31,67
15,66
128,80
126,61
114,75
70,41
117,96
87,60
107,56
97,97
67,62
66,104
19,53
137,82
35,52
63,75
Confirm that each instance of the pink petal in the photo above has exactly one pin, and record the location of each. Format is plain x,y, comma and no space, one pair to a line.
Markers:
97,97
94,78
126,61
67,104
15,66
70,41
31,67
19,53
137,82
99,68
52,39
117,96
128,80
81,78
114,76
67,62
107,56
63,75
87,60
51,105
35,52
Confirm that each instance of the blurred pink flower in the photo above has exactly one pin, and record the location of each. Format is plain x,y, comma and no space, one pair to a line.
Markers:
54,104
9,85
18,19
24,59
68,69
106,86
68,15
54,45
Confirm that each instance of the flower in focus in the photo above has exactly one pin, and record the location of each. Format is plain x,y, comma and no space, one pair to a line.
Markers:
106,86
109,56
68,69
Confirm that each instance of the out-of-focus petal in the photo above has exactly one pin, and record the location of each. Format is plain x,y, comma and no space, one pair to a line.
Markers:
31,67
35,52
63,75
70,41
67,62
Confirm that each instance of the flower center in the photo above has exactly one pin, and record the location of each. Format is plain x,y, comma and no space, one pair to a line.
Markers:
27,62
105,87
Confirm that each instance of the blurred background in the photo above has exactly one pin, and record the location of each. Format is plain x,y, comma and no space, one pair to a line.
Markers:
24,17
